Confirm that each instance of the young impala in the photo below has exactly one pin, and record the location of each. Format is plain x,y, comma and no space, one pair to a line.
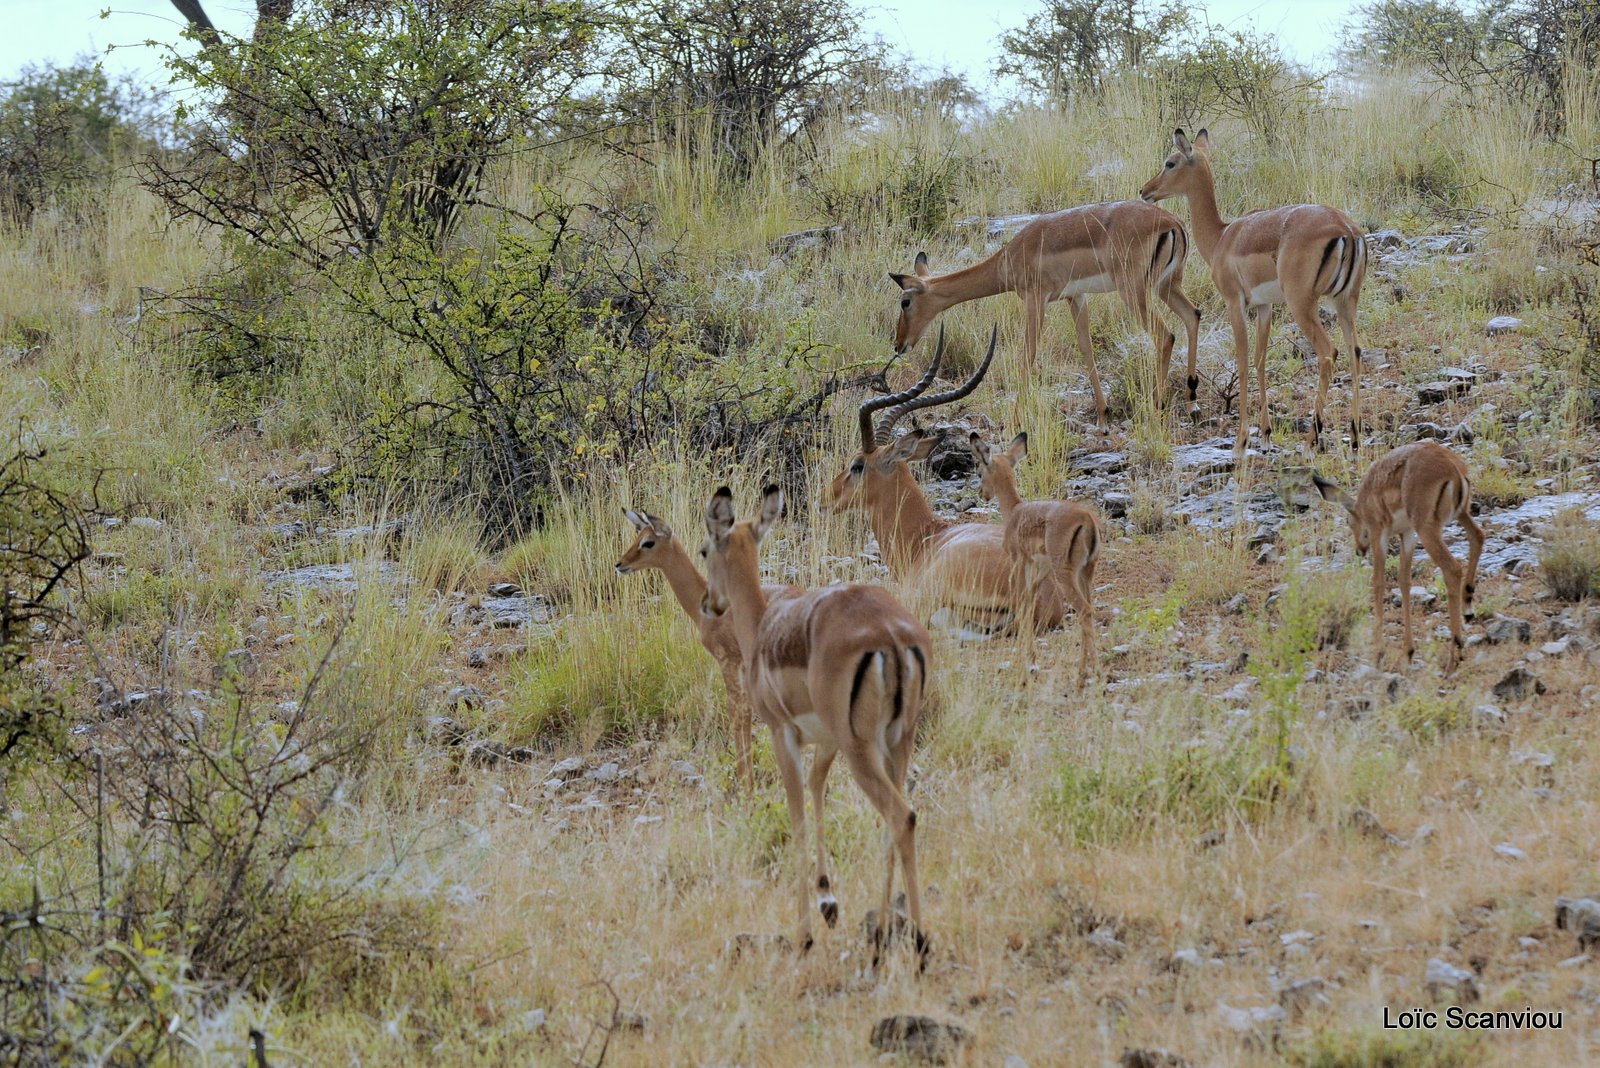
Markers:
1129,248
656,547
940,562
1053,543
1410,494
843,668
1297,256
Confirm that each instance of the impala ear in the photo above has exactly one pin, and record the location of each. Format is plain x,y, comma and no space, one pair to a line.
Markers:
1180,141
909,282
921,265
719,514
636,518
1018,449
1202,141
771,511
980,449
658,525
1332,491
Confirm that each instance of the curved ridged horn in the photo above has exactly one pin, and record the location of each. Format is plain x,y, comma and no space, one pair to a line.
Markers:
869,439
916,402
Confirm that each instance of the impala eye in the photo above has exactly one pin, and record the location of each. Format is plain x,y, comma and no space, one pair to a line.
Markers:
647,545
905,302
1171,164
857,466
702,552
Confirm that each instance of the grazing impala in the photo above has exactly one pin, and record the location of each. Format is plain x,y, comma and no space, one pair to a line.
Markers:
1297,256
1129,247
1410,494
843,668
656,547
1052,543
941,562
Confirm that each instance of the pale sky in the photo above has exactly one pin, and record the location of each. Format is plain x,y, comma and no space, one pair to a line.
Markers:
963,36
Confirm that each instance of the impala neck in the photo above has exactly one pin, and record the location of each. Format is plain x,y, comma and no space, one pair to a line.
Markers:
1203,213
970,283
747,604
688,585
903,520
1006,495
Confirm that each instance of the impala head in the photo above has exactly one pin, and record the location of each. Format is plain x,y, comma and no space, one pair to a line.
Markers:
870,470
649,548
918,305
730,548
1332,491
997,468
1185,168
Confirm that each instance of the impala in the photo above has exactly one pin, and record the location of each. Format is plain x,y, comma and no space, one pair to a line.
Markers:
1049,543
1297,255
843,668
1410,494
1129,247
960,564
654,546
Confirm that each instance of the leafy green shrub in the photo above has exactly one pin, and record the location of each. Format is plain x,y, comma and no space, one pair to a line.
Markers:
1429,717
1385,1049
1569,560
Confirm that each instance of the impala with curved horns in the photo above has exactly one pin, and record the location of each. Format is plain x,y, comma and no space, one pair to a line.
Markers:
1129,248
941,562
1298,255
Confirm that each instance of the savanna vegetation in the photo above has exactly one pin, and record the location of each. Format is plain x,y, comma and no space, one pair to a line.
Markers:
328,371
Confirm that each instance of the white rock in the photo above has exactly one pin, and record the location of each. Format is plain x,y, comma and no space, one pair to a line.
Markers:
1503,324
1510,852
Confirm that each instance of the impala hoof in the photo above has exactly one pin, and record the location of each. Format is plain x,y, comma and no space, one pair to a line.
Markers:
829,906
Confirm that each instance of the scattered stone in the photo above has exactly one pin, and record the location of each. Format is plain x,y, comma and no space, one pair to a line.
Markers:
1503,324
442,730
920,1037
1518,684
1269,554
1580,915
1116,504
1366,822
685,771
504,589
1151,1058
1211,839
569,766
1185,960
1298,998
1442,390
629,1022
236,663
605,773
1385,240
1251,1021
493,754
1101,463
1442,976
1502,629
746,944
1236,605
293,531
1510,852
1489,717
463,697
478,657
1104,938
1561,646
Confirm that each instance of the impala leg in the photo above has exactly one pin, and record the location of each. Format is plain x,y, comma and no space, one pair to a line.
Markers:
868,767
740,720
1263,335
827,904
1305,314
1380,552
1189,315
1080,323
786,751
1408,549
1032,331
1241,348
1454,584
1346,310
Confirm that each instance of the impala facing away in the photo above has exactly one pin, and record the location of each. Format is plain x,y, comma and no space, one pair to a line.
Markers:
1411,493
1049,543
1297,256
940,562
844,668
656,547
1128,247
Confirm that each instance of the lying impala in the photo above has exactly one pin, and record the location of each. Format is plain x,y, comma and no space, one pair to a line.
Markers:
656,547
1410,494
1050,543
843,668
1129,248
941,562
1297,256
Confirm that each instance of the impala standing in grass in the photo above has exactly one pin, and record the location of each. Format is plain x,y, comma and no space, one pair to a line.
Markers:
1049,543
939,561
1411,494
843,668
1298,255
1130,248
656,547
